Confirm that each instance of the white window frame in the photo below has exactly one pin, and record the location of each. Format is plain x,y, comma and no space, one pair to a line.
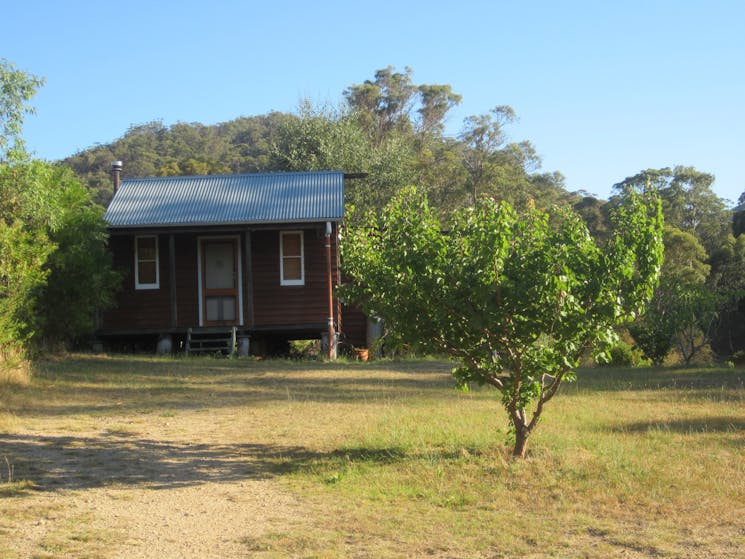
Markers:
138,285
282,280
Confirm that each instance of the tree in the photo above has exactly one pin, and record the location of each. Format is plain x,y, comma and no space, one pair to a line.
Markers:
688,201
323,138
483,137
738,217
440,171
654,333
502,170
243,145
54,269
682,310
81,280
727,278
693,307
16,89
383,105
515,299
389,127
23,254
685,257
437,100
702,225
682,314
595,213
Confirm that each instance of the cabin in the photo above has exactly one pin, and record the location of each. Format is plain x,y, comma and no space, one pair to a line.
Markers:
240,262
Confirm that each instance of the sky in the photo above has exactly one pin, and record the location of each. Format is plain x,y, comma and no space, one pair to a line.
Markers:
602,89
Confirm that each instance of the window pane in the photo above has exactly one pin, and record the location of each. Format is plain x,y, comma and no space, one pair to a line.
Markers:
291,244
292,269
219,266
220,309
146,248
228,309
213,308
146,273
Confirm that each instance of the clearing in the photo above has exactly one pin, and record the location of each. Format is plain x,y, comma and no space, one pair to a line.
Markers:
138,457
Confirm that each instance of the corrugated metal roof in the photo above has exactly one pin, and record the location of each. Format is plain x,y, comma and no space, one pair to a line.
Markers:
228,200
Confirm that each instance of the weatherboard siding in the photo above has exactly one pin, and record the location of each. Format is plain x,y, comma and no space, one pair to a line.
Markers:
291,305
187,281
267,303
138,309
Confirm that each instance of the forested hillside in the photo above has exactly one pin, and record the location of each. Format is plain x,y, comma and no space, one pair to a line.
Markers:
243,145
389,127
393,130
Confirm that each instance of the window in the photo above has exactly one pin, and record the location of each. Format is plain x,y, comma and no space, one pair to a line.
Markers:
146,262
291,259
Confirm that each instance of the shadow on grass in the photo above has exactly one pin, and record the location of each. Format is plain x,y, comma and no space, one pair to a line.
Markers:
726,384
686,426
64,463
59,463
104,386
100,386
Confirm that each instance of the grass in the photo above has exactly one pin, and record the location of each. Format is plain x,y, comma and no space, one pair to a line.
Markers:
14,371
388,460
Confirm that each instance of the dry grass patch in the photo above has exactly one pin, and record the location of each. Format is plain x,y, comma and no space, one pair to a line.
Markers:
14,370
627,463
370,460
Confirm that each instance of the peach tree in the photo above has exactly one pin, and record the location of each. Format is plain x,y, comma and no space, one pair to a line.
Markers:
515,299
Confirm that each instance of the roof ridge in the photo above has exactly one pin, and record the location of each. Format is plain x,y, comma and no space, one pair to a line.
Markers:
233,175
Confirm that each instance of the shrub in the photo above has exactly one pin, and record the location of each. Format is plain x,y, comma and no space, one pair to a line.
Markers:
738,358
624,354
55,272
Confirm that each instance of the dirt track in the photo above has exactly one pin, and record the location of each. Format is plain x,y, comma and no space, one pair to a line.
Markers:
146,491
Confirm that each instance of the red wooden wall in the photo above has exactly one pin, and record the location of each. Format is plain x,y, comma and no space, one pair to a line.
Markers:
266,303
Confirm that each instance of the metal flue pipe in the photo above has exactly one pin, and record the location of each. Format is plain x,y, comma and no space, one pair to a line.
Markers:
331,333
116,171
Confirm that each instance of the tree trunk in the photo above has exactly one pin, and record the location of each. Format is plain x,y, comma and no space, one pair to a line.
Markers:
521,440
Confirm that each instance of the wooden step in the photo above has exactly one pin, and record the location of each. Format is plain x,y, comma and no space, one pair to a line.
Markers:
211,341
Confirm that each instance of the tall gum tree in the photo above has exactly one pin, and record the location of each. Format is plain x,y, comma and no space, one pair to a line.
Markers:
515,299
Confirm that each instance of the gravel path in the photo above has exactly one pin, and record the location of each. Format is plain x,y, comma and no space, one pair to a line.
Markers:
210,521
126,494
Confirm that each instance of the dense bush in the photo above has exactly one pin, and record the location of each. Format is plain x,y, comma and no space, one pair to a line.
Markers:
624,354
55,272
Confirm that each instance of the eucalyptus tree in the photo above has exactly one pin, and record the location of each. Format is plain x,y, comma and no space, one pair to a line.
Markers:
323,138
436,101
483,137
688,201
16,90
396,113
683,310
384,104
515,298
392,101
504,170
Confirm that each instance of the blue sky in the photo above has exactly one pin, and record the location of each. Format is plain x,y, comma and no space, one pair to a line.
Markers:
602,89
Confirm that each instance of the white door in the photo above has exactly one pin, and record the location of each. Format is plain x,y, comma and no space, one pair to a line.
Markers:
220,282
